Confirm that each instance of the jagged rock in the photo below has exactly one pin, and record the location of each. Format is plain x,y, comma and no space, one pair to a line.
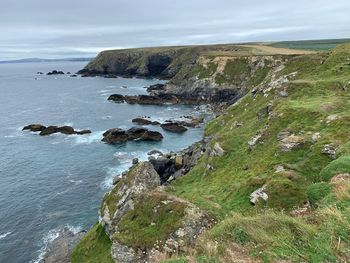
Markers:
135,161
55,72
165,167
116,135
60,249
117,98
173,127
49,130
330,150
34,127
155,153
291,142
217,150
152,99
258,194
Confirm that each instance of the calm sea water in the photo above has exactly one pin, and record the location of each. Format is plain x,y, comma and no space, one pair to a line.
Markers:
50,182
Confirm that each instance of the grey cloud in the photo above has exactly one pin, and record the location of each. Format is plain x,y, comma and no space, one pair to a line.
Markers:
41,28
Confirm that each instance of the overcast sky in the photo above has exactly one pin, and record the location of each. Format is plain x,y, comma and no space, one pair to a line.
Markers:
81,28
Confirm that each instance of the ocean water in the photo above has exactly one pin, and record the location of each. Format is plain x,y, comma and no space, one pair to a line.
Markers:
50,182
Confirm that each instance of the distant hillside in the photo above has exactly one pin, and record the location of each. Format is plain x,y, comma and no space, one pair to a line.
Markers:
319,45
36,60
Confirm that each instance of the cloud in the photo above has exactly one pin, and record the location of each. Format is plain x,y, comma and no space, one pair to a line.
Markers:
41,28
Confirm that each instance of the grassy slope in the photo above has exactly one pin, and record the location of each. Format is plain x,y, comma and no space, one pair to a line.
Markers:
267,230
94,248
326,44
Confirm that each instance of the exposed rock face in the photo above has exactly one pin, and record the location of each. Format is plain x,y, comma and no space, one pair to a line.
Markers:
173,127
60,249
288,141
116,135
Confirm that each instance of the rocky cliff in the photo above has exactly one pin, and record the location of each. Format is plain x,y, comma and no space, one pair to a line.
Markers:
274,176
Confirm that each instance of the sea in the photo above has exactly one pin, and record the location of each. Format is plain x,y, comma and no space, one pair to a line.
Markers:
51,182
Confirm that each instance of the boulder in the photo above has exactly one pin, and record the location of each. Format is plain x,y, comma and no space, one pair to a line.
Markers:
292,142
173,127
113,136
155,87
73,75
260,193
34,127
254,140
49,130
151,136
217,150
135,161
117,98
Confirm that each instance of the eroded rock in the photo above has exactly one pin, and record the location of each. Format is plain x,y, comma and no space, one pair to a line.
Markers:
330,150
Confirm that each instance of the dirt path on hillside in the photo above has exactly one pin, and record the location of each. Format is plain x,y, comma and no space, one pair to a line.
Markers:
280,51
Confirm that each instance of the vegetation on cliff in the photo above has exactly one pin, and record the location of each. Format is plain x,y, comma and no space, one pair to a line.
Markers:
285,142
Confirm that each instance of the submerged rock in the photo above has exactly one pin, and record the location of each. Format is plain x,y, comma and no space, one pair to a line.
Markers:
143,121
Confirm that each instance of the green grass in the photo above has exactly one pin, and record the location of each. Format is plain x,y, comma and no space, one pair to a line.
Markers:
151,221
318,45
95,247
338,166
316,192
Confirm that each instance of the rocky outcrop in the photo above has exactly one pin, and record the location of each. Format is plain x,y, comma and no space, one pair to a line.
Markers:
55,72
117,135
117,98
60,249
330,150
44,131
155,87
138,189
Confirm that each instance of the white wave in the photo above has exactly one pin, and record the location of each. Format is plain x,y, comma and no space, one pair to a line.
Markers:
50,237
5,235
76,182
108,117
125,160
88,138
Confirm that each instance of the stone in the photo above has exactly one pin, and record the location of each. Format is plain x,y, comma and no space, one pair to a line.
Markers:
143,121
260,193
217,150
330,150
178,161
155,87
82,132
301,211
254,140
283,94
68,130
315,137
292,142
135,161
332,118
34,127
55,72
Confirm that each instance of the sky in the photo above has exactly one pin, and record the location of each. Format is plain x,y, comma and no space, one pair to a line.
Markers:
82,28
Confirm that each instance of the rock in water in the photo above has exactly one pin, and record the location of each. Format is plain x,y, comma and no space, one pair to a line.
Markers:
173,127
83,132
66,130
113,136
117,98
142,121
49,130
55,72
34,127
